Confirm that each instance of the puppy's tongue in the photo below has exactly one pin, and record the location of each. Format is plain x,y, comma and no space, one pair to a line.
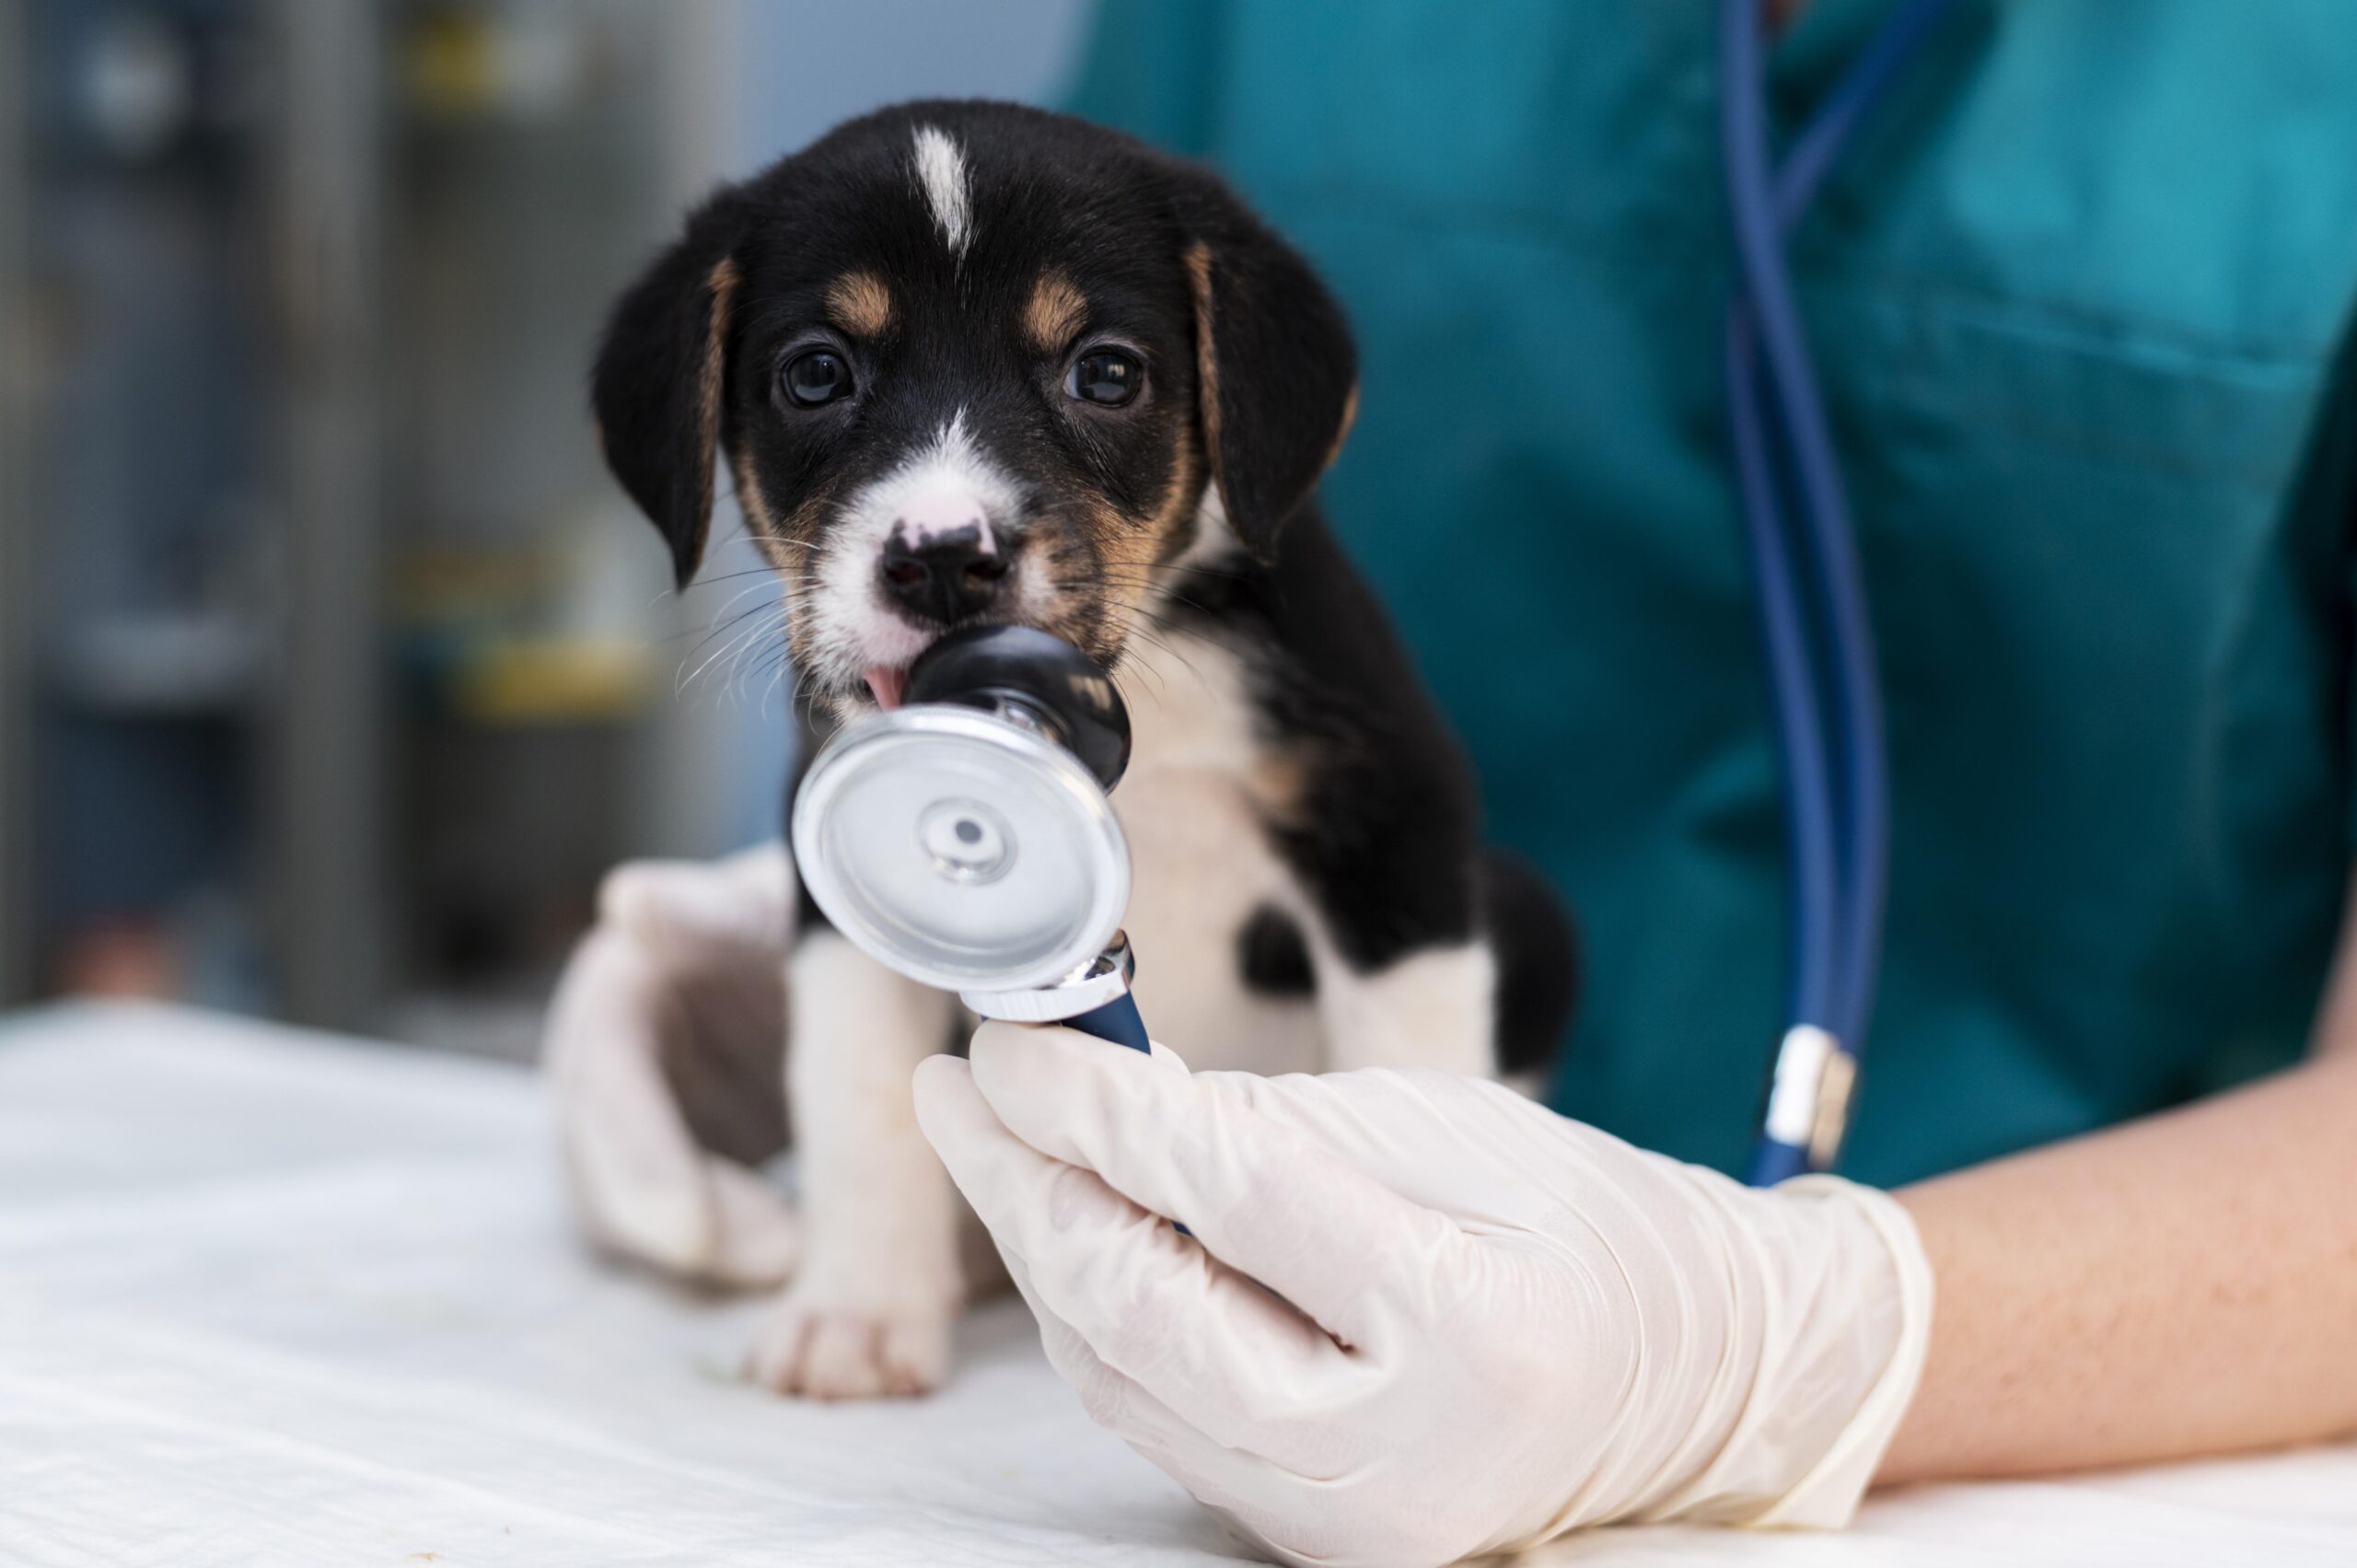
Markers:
887,685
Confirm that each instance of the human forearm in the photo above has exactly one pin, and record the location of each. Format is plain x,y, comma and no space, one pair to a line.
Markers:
2183,1285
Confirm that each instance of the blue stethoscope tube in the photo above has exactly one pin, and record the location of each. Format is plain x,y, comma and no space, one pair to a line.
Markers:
1821,670
1117,1021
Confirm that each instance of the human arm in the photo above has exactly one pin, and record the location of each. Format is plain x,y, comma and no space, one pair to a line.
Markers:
2182,1285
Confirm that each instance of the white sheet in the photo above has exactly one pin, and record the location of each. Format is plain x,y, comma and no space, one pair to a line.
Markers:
271,1299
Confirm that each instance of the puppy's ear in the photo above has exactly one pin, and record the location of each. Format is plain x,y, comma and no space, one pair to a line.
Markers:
656,390
1276,374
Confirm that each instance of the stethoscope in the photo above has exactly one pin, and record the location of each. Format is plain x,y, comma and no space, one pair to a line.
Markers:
1821,666
966,838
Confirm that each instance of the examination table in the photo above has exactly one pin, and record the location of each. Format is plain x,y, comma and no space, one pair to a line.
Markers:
270,1297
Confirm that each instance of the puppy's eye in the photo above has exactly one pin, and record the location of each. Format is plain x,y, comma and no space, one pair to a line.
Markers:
1106,376
816,377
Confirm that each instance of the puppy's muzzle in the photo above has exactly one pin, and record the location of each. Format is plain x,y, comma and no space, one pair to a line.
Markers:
942,577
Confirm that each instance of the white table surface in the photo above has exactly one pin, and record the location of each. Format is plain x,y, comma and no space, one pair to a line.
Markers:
268,1298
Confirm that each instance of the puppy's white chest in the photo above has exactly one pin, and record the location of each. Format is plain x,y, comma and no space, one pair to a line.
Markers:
1202,865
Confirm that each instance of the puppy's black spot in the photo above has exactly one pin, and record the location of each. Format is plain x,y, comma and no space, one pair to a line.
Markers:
1271,956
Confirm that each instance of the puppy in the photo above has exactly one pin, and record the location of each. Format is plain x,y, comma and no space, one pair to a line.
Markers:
971,363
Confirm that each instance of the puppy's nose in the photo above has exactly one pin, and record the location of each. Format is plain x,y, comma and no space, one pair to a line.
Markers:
942,576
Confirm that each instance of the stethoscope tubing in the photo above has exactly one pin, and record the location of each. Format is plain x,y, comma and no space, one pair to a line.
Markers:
1119,1023
1836,788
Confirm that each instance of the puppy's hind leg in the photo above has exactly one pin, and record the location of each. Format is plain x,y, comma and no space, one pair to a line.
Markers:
1539,965
1496,1003
1434,1008
870,1309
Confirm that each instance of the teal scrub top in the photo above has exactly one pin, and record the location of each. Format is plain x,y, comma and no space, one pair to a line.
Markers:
2080,297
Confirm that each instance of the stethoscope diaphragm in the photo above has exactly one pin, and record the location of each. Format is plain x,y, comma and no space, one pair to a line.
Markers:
963,849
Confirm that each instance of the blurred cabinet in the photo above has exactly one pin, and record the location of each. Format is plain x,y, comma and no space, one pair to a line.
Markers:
331,667
16,590
333,670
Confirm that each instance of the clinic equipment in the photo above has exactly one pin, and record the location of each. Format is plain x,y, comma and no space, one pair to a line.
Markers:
1822,676
965,838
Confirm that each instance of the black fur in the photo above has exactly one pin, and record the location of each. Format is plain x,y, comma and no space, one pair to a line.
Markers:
1272,955
649,389
1286,367
1383,828
1388,835
1126,220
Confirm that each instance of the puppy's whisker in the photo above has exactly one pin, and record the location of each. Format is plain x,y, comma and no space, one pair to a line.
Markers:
749,656
750,633
726,627
711,629
1154,636
1143,634
740,595
713,580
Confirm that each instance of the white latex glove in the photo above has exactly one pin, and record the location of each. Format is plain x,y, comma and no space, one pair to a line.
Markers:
1496,1325
664,1045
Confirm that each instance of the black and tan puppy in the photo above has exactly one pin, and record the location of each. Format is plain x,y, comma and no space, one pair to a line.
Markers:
974,362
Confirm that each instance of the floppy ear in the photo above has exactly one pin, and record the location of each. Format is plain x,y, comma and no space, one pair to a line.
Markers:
657,388
1276,374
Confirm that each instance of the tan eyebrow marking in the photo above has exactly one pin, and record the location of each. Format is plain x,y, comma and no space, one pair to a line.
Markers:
1198,273
860,304
1054,313
722,283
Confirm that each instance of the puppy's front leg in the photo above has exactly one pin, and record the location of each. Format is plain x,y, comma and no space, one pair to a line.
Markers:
870,1309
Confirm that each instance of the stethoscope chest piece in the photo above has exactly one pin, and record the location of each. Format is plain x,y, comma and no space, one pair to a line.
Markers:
963,847
967,840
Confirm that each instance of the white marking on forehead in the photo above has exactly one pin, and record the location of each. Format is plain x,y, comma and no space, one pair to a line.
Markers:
941,175
950,485
949,475
954,462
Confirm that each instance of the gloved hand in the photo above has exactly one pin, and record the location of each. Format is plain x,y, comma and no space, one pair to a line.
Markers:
1496,1325
664,1045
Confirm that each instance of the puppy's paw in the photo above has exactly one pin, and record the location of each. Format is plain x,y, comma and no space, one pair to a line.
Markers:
757,1237
821,1350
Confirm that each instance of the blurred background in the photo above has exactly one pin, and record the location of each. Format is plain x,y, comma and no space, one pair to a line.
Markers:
333,670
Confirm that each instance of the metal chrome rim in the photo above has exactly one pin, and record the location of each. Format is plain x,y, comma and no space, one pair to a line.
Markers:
1098,844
